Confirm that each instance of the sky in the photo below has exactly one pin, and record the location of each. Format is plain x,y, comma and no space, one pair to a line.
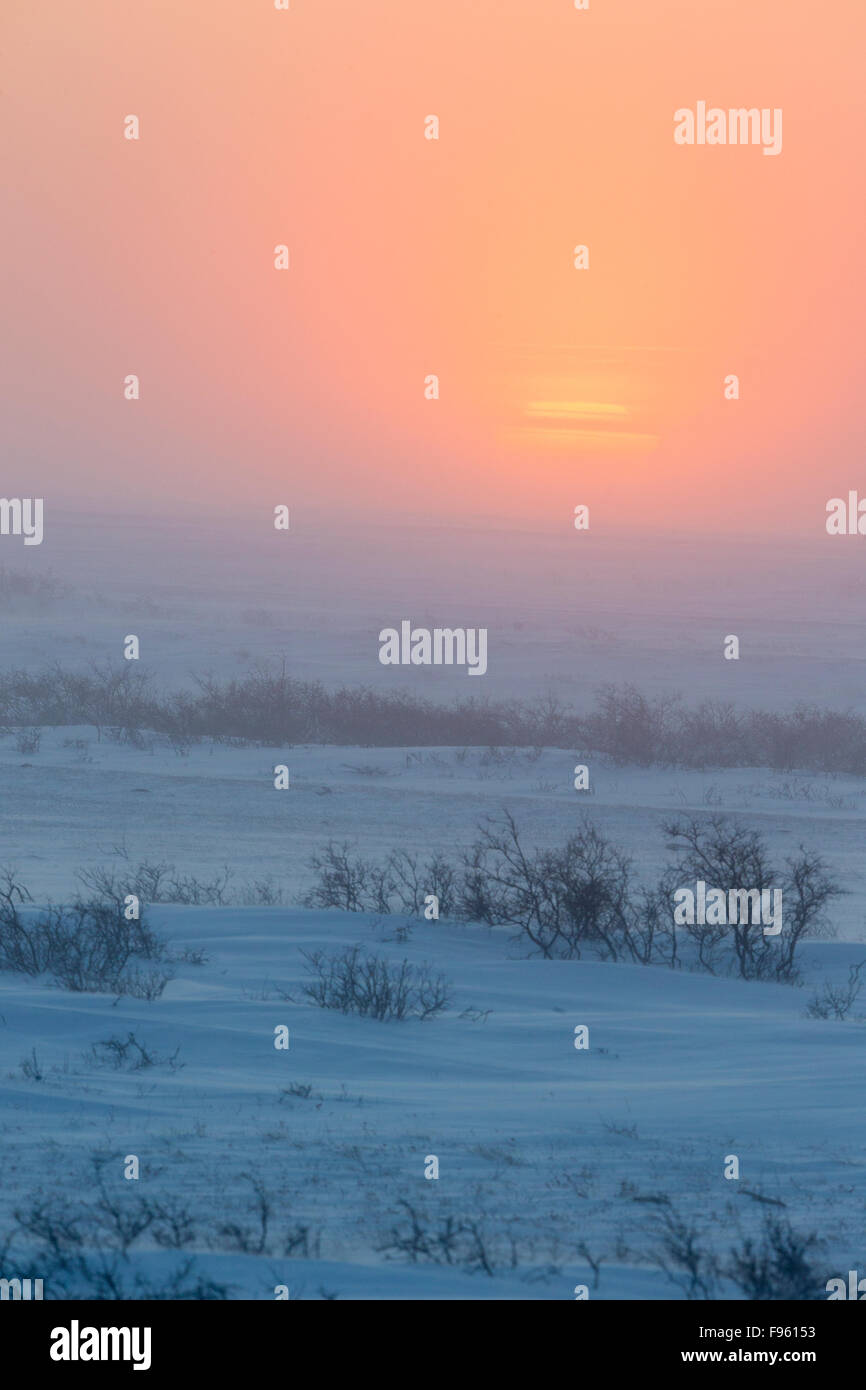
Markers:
411,256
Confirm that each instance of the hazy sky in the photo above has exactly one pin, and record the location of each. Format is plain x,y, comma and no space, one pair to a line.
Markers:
452,256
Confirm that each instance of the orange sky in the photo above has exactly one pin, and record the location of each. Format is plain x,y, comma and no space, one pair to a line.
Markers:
451,257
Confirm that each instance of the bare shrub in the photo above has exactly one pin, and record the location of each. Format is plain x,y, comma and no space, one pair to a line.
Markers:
303,1090
87,1248
679,1253
729,857
300,1242
413,879
630,727
189,890
250,1239
143,984
262,892
145,880
777,1265
85,946
187,955
156,882
400,884
120,1221
84,1251
469,1243
346,881
837,1001
594,1262
564,900
129,1054
88,946
268,706
480,1253
31,1068
356,981
582,895
173,1225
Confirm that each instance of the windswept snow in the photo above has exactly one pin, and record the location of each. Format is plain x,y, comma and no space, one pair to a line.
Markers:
540,1143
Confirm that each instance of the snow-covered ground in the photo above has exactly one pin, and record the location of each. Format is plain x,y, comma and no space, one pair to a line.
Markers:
70,803
541,1144
566,1161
